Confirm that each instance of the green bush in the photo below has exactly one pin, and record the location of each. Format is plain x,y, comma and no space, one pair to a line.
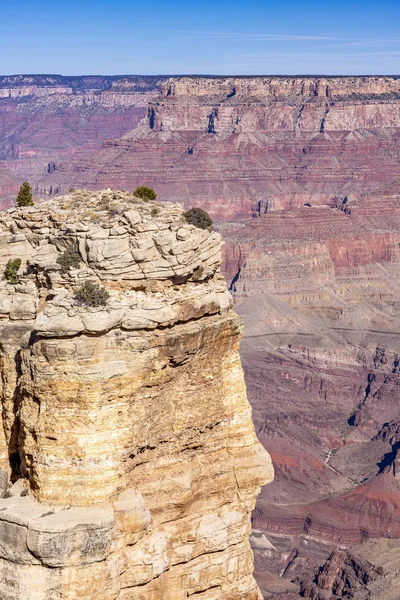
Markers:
11,270
199,218
71,190
91,294
24,197
69,259
145,193
155,211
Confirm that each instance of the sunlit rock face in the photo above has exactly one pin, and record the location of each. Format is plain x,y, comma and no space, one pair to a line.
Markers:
245,146
126,432
318,291
48,118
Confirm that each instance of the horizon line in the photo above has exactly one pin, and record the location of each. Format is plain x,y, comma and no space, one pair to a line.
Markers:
204,75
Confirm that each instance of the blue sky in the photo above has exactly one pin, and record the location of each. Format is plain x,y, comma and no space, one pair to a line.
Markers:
210,37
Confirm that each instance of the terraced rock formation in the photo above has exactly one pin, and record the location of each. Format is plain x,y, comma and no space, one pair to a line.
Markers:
318,291
126,430
369,571
44,119
303,176
243,146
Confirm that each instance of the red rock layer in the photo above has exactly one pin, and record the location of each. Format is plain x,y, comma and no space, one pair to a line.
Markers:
244,146
44,119
318,290
317,286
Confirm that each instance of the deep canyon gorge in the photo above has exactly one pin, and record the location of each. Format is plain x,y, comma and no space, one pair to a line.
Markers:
302,178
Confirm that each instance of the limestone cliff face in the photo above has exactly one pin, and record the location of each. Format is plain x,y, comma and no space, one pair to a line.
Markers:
126,431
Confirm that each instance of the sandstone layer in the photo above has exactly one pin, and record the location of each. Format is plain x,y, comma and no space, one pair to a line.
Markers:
242,146
127,434
48,118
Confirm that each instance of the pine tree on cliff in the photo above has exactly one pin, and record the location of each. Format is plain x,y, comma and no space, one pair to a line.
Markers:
24,197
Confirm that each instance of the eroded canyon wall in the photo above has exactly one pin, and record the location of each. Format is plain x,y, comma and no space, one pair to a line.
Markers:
243,146
126,429
315,277
318,291
44,119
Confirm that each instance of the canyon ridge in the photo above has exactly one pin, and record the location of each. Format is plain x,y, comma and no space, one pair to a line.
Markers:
302,176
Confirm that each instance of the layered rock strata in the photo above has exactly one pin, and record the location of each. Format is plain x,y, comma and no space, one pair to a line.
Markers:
318,290
127,434
315,277
244,146
370,570
45,119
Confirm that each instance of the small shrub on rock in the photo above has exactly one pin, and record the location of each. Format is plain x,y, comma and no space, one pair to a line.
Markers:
198,274
71,190
11,270
199,218
24,197
145,193
93,216
91,294
69,259
104,203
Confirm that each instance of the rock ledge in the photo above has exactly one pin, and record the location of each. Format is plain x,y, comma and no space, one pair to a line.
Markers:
126,432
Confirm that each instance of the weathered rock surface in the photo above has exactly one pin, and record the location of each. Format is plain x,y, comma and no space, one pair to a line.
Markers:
126,433
244,146
317,286
45,119
318,291
370,570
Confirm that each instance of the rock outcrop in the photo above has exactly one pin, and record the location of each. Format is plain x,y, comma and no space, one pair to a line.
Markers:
318,291
370,570
309,166
127,434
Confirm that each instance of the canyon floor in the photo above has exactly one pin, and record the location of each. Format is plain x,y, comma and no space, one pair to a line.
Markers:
302,176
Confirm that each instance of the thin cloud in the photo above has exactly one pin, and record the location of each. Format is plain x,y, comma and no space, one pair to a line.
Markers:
246,37
315,62
367,42
332,55
338,41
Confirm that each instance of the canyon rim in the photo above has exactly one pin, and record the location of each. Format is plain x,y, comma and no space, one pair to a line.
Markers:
302,176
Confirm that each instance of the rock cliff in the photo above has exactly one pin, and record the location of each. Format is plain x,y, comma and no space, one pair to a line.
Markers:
318,290
369,571
45,119
302,174
243,146
127,434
